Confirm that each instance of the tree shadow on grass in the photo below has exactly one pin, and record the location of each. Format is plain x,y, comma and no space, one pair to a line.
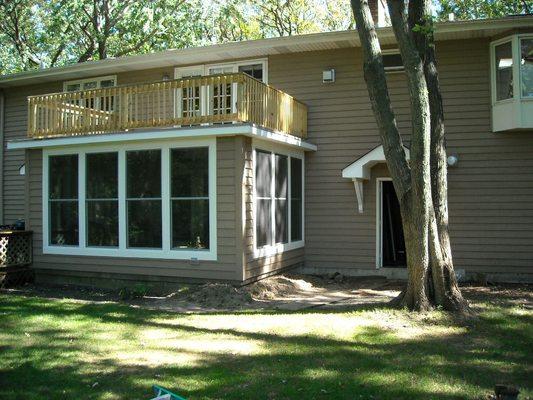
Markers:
372,363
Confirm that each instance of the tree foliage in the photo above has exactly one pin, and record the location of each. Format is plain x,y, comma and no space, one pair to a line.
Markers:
47,33
476,9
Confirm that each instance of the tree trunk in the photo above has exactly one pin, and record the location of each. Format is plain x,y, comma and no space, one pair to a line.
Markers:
446,289
421,184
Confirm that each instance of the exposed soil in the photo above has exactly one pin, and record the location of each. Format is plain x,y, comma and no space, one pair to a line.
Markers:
285,292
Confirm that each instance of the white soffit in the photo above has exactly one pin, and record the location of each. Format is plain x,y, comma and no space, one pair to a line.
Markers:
256,48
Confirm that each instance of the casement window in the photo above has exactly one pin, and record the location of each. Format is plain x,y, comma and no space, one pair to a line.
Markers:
132,201
63,200
278,201
504,71
101,198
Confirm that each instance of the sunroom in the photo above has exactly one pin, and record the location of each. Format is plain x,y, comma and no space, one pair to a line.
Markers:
196,177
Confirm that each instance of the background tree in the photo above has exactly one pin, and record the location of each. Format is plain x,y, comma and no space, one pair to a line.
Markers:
475,9
420,182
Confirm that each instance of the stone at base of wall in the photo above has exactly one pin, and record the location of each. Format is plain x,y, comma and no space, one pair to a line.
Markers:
156,284
401,274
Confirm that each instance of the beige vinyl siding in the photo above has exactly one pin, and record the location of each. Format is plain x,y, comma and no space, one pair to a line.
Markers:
255,267
490,190
227,267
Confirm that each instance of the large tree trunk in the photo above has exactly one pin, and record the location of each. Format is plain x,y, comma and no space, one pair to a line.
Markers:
421,184
446,289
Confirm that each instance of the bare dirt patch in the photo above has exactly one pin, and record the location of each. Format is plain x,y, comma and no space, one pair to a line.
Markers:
283,292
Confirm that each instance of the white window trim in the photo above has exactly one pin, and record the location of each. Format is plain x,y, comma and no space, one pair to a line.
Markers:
517,76
392,70
270,250
166,252
379,220
180,71
97,79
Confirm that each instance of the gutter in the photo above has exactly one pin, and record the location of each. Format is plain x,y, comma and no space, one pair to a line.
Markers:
2,114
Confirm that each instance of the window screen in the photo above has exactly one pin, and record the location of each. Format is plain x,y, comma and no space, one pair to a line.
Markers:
63,200
143,202
102,199
190,198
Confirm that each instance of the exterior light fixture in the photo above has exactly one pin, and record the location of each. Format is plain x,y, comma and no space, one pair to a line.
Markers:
166,77
452,159
328,76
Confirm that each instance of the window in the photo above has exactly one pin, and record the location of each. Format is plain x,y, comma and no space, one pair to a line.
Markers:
504,71
190,198
279,200
263,187
254,70
296,199
143,197
63,200
526,67
392,61
512,83
102,199
103,103
156,202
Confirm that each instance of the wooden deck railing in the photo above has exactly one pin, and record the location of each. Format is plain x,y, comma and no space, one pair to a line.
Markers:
181,102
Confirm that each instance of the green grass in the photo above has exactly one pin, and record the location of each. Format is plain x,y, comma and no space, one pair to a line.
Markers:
66,349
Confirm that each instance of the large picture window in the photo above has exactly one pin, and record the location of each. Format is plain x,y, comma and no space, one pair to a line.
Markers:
129,201
279,200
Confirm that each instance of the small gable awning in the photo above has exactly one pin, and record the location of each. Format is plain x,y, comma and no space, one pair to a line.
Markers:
359,170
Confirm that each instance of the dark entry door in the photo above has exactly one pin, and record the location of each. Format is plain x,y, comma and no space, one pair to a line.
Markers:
393,245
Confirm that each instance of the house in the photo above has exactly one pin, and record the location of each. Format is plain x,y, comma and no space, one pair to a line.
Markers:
234,161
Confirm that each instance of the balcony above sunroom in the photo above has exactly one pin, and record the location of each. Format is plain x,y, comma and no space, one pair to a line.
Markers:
215,100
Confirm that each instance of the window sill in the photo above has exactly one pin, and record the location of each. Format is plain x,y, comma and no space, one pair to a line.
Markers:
268,251
200,255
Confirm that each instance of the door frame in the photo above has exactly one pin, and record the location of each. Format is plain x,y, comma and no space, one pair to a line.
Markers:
379,220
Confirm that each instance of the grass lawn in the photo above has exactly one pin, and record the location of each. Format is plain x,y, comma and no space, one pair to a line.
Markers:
68,349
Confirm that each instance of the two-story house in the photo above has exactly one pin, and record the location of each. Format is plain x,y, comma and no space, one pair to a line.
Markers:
233,161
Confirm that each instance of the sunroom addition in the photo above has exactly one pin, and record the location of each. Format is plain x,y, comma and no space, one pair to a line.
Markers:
512,83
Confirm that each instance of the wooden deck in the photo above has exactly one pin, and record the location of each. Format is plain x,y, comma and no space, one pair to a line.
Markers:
182,102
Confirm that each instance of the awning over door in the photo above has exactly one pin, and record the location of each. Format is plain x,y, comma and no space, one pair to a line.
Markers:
359,170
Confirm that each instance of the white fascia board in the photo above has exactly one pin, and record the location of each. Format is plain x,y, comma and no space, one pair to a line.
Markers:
137,136
360,169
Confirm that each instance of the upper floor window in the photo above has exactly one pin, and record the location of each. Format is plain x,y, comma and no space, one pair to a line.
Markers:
92,83
503,58
512,83
392,60
526,66
512,68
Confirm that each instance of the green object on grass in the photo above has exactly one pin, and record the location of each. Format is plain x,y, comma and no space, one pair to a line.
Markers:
159,391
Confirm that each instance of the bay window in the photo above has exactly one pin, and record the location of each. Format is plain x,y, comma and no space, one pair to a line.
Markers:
278,201
130,201
512,83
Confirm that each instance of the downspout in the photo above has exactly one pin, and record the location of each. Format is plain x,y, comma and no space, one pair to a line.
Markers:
2,147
